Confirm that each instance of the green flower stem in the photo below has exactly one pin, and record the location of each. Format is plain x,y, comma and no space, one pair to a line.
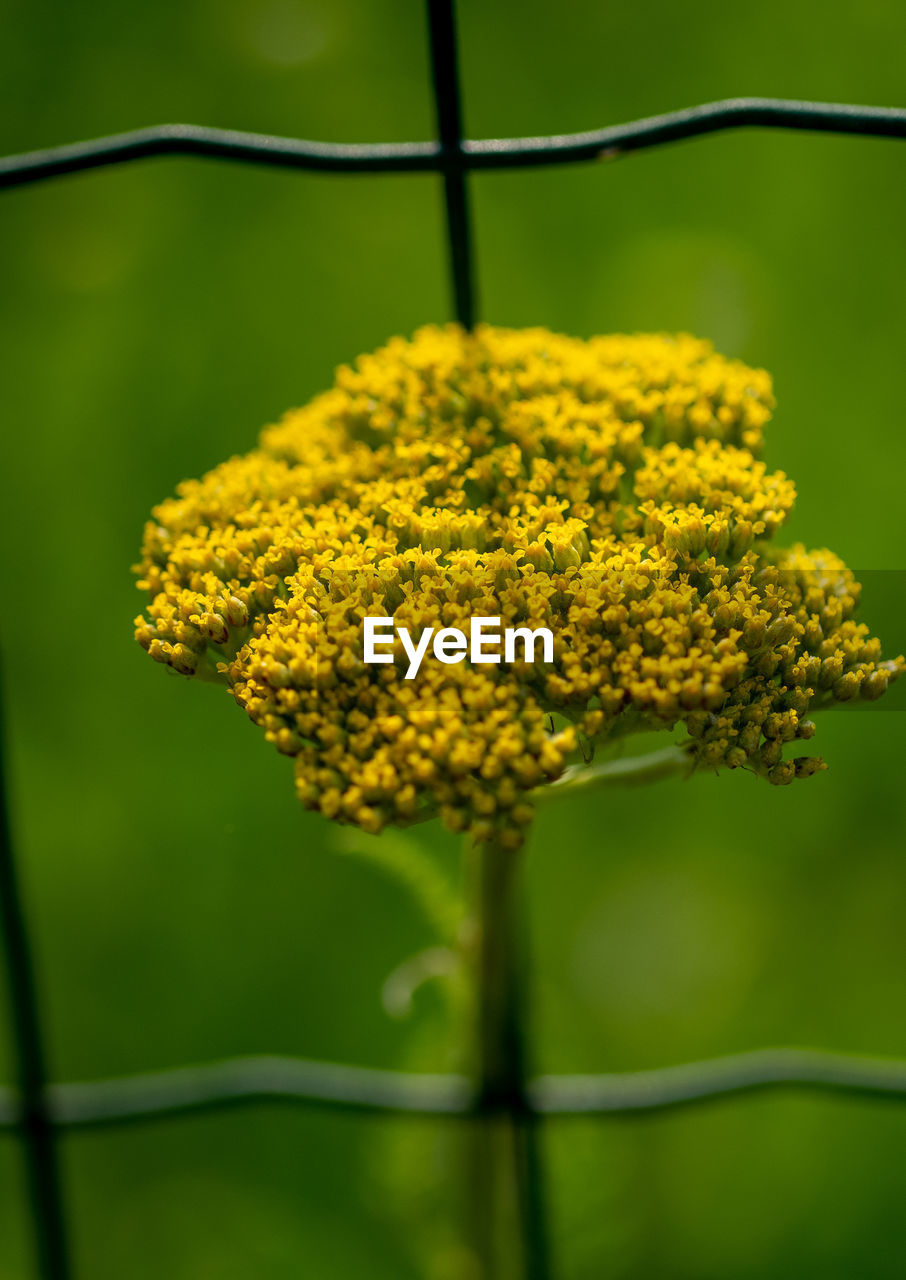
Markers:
506,1218
632,771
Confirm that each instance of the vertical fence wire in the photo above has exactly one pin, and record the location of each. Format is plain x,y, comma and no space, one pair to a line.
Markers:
36,1129
445,82
503,1017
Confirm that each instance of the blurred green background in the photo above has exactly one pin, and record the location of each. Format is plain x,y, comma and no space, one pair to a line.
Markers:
151,320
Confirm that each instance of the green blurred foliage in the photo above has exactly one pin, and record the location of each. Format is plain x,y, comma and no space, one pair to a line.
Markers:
151,320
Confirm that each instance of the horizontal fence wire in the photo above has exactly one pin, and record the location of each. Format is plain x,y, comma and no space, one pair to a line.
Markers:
186,1091
421,157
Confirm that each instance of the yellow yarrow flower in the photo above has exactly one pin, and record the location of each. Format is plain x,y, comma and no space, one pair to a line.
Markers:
609,490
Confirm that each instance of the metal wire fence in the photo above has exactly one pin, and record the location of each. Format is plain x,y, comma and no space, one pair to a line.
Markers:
38,1111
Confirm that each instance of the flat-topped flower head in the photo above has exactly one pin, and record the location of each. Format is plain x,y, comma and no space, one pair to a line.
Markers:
609,490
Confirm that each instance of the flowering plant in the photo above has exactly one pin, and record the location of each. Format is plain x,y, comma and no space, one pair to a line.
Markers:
607,495
608,490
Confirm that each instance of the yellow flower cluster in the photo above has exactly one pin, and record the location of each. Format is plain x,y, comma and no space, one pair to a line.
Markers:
608,490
